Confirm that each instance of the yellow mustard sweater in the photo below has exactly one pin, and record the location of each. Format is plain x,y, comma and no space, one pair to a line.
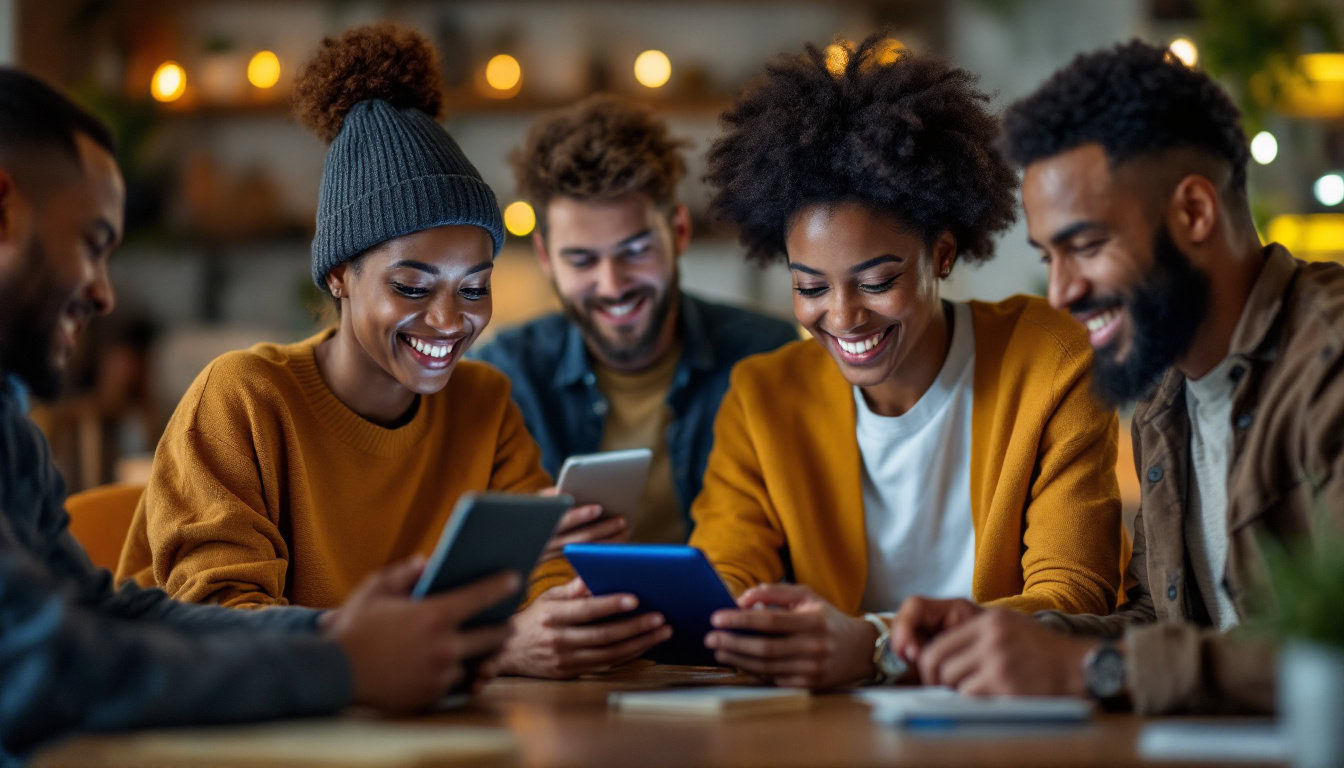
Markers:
267,490
782,495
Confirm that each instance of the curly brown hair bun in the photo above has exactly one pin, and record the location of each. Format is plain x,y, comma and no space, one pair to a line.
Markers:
379,61
599,149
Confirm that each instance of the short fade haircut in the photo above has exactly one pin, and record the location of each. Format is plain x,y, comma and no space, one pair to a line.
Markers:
599,149
34,115
1134,100
910,136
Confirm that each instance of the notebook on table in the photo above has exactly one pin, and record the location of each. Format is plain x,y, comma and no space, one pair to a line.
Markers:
933,706
713,701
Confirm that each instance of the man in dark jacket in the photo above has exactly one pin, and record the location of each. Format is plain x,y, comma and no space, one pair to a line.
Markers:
1135,192
78,654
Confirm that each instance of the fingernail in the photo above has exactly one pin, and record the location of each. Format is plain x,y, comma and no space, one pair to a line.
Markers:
629,603
718,621
665,632
712,640
592,512
656,620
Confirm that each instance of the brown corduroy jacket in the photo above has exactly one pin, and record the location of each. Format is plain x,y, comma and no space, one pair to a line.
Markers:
1285,476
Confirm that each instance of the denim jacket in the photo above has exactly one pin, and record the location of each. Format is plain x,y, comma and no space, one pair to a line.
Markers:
556,389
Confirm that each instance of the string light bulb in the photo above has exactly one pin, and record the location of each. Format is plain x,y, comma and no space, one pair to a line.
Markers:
653,69
169,82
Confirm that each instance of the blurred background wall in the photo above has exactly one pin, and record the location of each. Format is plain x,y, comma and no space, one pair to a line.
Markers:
223,184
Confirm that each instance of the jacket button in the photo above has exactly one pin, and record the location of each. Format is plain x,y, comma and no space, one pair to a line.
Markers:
1244,421
1154,474
1171,592
1236,373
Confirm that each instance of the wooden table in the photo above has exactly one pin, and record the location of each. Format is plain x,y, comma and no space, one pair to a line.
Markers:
568,724
563,724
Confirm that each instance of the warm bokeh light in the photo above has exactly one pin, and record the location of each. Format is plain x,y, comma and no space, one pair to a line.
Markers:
263,71
503,73
169,82
837,58
1329,189
889,50
1313,237
1324,67
520,219
1184,49
652,69
1264,148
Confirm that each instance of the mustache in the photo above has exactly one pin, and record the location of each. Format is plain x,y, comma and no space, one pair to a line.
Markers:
1095,304
628,296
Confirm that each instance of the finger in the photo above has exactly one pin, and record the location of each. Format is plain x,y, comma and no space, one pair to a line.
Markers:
774,594
777,622
597,635
577,516
549,490
947,646
397,579
769,667
787,646
597,659
592,532
912,624
457,605
474,643
587,609
567,591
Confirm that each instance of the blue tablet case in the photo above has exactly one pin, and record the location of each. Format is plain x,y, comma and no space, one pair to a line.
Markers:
676,581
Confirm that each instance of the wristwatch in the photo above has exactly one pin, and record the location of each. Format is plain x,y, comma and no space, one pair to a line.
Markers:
889,668
1104,671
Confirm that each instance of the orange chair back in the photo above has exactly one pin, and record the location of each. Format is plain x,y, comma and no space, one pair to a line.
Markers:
100,518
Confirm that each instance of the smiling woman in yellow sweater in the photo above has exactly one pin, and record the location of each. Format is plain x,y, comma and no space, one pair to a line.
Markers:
914,446
289,472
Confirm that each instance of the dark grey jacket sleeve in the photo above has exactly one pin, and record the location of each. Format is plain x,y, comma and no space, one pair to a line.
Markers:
75,654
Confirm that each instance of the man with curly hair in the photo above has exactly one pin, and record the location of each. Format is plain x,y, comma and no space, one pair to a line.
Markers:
633,361
1135,192
914,446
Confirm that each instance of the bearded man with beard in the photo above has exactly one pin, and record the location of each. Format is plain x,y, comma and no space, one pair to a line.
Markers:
77,653
1135,193
632,361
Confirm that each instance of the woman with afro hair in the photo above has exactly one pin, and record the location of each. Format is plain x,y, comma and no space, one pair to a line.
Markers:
289,472
914,446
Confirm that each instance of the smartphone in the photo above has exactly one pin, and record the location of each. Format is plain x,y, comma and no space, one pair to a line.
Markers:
613,479
488,533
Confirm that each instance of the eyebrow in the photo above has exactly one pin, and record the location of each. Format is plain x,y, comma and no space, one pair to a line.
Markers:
1068,232
579,250
433,270
885,258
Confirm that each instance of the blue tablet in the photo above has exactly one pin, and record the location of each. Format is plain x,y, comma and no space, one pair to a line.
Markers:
674,580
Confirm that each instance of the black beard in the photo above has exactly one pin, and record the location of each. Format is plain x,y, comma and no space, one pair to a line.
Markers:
30,309
1164,311
615,352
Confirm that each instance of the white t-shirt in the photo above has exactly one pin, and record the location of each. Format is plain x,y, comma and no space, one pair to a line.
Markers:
1210,409
917,485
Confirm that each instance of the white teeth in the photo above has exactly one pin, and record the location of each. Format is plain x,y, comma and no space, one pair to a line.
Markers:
859,347
621,310
428,349
1097,322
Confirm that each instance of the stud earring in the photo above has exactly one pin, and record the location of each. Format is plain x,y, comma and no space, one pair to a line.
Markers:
336,292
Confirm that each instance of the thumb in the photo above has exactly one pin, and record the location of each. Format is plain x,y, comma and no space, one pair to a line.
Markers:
399,578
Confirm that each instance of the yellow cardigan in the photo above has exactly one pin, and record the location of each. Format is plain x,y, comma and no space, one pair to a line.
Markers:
267,490
782,495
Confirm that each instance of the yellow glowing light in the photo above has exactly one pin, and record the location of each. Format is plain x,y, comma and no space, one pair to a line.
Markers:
889,50
653,69
519,219
263,71
169,82
503,73
1184,49
837,58
1314,237
1324,67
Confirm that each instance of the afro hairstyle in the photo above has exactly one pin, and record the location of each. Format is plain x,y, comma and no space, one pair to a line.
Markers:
911,136
1134,100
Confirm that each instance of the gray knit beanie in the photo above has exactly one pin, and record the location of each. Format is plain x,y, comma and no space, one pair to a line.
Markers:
391,172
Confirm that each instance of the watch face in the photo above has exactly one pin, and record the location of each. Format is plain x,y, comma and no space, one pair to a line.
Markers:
891,666
1105,672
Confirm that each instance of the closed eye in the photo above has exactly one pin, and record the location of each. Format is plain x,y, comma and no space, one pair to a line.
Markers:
409,291
809,292
474,293
878,287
